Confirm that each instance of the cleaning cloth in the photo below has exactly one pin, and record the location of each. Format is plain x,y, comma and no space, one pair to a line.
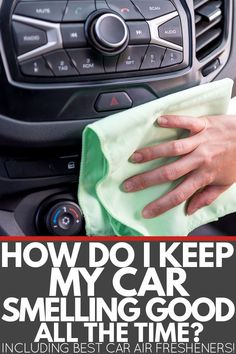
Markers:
107,147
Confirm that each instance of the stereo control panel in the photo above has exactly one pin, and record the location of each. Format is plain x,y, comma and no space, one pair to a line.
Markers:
76,39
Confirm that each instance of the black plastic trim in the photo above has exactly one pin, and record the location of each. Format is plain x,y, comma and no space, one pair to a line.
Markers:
14,133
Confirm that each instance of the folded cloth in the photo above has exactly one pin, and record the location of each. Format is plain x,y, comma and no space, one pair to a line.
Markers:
107,146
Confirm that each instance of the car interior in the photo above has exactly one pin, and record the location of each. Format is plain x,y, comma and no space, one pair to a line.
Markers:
66,63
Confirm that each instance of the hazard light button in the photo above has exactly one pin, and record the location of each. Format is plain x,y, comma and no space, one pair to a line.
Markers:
113,101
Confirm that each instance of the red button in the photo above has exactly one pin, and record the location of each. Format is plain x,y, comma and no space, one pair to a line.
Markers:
113,101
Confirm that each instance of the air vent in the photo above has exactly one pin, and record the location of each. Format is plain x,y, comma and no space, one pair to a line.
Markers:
209,24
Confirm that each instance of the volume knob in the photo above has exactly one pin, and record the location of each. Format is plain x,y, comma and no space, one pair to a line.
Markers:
108,33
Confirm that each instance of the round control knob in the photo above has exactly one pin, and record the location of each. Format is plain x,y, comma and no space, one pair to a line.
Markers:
107,32
63,218
111,31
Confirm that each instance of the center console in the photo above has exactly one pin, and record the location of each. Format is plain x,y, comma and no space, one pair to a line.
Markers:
60,41
67,63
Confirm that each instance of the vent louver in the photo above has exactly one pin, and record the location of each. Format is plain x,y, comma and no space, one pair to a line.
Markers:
209,24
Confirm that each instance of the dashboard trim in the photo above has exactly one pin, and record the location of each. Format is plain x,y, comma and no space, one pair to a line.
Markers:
53,32
155,24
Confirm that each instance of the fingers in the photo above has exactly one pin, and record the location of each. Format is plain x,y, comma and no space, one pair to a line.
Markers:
177,196
193,124
205,197
162,174
169,149
177,147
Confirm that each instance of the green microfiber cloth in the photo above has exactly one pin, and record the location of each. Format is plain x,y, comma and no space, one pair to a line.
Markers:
107,146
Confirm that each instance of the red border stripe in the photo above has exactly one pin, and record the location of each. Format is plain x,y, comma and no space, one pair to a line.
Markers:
116,239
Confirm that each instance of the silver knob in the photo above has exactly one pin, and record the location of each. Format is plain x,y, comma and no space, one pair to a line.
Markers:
111,31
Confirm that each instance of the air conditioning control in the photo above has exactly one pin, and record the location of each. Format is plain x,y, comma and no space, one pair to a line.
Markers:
60,218
108,33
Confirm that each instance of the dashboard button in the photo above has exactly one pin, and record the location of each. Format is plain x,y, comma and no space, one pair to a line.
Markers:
171,31
172,57
210,68
125,8
78,10
66,165
87,61
110,64
35,67
60,64
153,57
73,35
139,32
154,8
131,58
28,38
113,101
43,10
101,4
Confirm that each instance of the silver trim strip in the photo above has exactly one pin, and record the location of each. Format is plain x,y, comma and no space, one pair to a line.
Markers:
155,24
54,36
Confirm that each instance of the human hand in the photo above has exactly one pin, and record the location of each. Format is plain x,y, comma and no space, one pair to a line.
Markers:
207,161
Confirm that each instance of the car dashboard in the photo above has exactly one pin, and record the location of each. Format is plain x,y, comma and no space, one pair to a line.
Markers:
66,63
